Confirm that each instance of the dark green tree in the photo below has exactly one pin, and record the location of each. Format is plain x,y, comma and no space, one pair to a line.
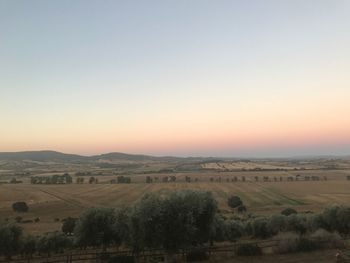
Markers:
234,201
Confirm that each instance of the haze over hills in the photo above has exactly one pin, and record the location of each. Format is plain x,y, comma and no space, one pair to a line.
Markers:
48,155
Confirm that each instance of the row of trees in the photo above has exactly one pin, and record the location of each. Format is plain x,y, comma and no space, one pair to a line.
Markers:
180,220
54,179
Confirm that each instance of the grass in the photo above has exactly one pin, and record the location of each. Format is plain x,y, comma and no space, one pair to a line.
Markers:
60,201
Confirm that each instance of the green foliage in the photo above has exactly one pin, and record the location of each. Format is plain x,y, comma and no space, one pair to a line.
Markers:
197,254
28,246
306,245
183,218
121,259
234,230
69,225
287,242
234,201
10,239
99,227
242,209
20,207
297,223
149,179
327,239
276,224
288,211
123,180
54,242
259,228
248,250
218,229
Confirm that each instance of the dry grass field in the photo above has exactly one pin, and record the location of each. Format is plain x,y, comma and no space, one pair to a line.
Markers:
52,203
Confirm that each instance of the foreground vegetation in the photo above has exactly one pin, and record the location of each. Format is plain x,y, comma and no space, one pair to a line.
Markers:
183,219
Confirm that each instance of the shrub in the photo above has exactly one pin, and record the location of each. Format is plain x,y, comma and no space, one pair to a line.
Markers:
53,242
276,224
218,230
20,207
28,246
327,239
297,223
288,211
198,254
234,201
68,225
10,239
248,250
241,209
234,230
306,245
121,259
287,242
259,228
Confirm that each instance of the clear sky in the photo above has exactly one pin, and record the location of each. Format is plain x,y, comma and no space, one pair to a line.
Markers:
224,78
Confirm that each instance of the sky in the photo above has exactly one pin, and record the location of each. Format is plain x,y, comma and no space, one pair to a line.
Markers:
185,78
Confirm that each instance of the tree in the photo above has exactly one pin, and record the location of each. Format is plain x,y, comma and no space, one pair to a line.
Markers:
28,246
234,201
10,240
54,242
288,211
181,219
218,229
20,207
259,228
188,218
146,223
69,225
148,179
242,209
99,227
234,230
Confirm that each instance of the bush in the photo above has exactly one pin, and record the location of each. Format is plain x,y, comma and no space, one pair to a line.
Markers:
248,250
121,259
259,228
327,239
28,246
234,230
234,201
198,254
53,242
10,239
276,224
306,245
242,208
20,207
287,242
69,225
288,211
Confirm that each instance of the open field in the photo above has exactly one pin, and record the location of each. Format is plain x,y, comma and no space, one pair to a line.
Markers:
50,202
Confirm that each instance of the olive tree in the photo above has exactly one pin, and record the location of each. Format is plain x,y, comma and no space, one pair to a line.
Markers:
10,239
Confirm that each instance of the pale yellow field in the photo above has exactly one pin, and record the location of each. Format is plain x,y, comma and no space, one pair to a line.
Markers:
59,201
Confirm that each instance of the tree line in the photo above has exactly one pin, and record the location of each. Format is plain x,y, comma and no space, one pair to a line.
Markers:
183,219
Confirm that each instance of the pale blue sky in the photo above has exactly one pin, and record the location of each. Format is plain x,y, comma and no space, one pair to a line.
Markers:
111,69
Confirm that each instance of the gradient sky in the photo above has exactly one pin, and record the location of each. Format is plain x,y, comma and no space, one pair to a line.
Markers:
211,78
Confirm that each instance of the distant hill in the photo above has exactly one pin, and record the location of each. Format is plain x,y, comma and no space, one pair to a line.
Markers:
46,156
123,157
54,156
41,156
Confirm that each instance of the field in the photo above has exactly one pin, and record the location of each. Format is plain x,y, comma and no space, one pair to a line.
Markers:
52,203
